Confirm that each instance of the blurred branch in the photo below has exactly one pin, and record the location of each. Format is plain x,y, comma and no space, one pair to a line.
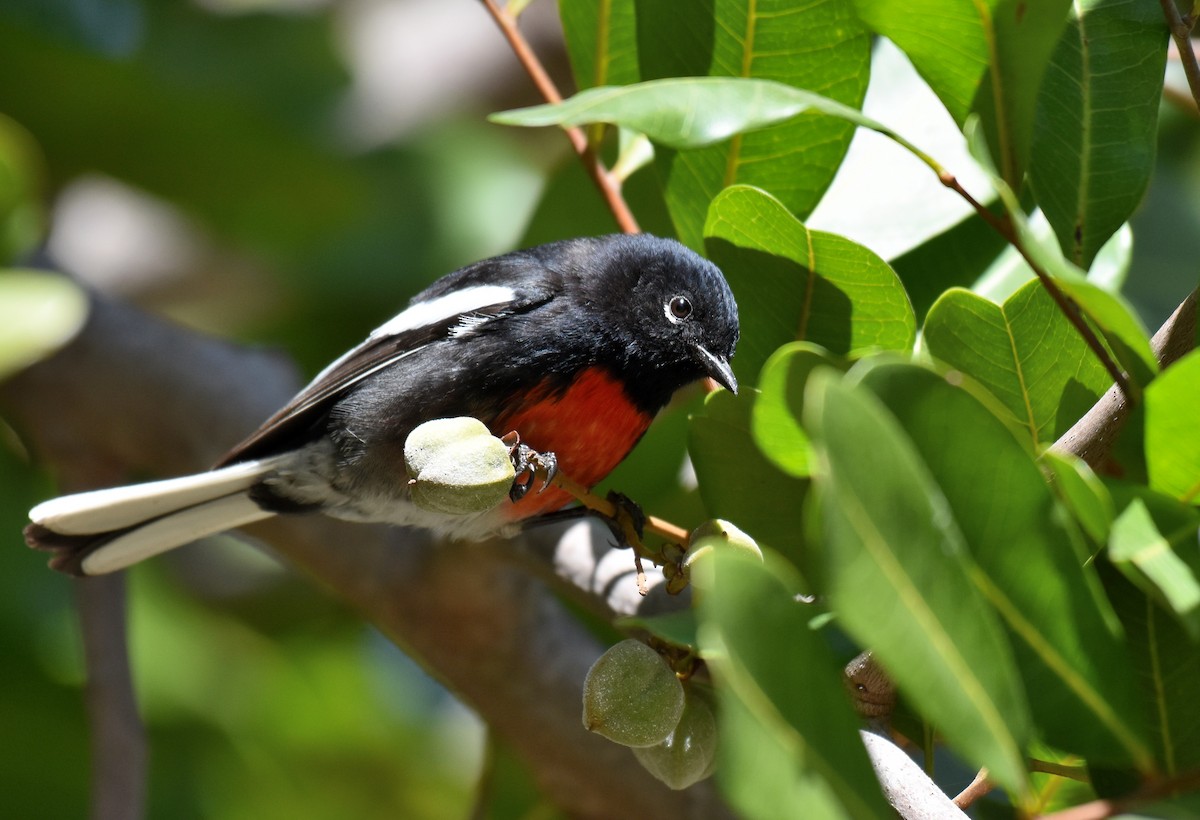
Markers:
609,186
137,392
1092,437
1148,794
118,742
117,739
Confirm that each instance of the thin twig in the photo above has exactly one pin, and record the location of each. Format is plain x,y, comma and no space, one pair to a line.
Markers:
1075,316
1181,32
1004,226
1093,436
118,742
609,186
660,527
977,789
1000,226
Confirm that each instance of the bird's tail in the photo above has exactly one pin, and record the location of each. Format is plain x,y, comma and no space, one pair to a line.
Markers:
105,530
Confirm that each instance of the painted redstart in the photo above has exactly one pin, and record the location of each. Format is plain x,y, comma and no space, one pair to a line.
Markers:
573,345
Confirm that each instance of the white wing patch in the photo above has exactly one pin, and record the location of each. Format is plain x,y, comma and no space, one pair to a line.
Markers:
445,307
427,313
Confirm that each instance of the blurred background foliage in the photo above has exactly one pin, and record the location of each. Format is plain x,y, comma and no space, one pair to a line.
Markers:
287,173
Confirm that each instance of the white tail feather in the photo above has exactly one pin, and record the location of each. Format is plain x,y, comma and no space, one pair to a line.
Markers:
174,530
120,507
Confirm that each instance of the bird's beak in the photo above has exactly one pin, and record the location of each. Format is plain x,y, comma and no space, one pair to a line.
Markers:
717,367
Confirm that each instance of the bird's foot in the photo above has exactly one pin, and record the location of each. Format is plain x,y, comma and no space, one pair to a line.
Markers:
531,467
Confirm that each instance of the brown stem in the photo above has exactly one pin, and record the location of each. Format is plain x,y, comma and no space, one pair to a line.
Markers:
977,789
609,186
1001,226
1181,32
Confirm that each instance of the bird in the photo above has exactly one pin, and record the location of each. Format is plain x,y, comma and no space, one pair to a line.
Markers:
574,345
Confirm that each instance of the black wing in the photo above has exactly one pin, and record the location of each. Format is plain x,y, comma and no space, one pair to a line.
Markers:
303,418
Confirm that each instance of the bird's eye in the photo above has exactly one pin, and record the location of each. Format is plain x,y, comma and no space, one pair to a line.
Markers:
679,308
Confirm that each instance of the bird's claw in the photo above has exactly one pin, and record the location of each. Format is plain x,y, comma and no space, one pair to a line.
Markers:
628,525
629,520
530,466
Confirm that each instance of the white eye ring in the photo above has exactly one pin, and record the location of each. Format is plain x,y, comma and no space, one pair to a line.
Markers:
678,308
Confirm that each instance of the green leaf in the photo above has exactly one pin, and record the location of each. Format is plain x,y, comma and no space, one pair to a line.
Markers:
1029,565
956,257
946,40
1025,352
601,41
981,56
1009,270
1021,37
793,284
1118,323
775,421
901,582
737,482
1082,491
1107,312
39,313
1168,666
1096,126
1172,436
789,741
687,112
819,46
677,627
1144,554
22,222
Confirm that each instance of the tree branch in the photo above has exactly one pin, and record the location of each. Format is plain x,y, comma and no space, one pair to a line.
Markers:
907,788
134,391
118,742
